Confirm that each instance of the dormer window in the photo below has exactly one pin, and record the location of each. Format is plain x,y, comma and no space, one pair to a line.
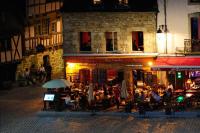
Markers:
96,2
123,2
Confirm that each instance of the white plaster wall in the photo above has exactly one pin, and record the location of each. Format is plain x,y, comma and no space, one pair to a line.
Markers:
178,22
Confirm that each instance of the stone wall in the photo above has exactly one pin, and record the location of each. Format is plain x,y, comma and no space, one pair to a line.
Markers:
124,23
56,62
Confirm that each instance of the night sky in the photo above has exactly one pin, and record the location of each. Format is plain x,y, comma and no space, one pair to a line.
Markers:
12,16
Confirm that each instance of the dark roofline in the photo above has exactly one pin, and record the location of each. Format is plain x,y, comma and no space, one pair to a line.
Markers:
110,6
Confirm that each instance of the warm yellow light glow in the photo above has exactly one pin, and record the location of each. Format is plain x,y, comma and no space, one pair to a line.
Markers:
150,63
58,26
72,70
189,94
164,42
97,1
161,42
71,65
189,81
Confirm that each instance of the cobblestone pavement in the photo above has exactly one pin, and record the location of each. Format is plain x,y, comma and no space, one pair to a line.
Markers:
19,102
19,107
103,124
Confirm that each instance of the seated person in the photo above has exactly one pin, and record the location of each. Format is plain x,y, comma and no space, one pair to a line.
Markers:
156,97
68,102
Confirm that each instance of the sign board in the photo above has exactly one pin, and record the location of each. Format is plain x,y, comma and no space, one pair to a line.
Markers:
49,97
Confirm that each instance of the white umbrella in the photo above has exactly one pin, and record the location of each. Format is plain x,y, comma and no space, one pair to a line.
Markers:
90,93
124,92
57,83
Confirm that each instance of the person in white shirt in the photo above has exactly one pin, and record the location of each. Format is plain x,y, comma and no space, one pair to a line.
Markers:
68,102
42,73
170,86
67,99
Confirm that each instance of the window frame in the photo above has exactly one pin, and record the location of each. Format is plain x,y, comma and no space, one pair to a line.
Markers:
86,48
45,26
114,41
54,26
97,2
38,29
139,40
42,27
123,2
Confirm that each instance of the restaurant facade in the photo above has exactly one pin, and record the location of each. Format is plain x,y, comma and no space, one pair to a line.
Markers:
181,71
109,46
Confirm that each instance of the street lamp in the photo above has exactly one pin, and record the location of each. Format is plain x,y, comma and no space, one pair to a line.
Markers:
161,39
163,36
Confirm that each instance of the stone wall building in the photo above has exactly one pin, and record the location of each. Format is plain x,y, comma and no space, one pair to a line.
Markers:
106,42
56,61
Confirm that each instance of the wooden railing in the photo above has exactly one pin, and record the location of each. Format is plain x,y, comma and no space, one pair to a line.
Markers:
48,41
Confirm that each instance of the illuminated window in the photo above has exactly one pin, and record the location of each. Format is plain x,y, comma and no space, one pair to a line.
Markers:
137,41
123,2
42,27
45,26
97,2
85,41
111,41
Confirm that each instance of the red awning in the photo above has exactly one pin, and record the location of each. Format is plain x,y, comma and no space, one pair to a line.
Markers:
176,63
107,59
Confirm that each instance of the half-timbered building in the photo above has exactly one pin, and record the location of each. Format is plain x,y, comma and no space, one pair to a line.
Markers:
12,16
43,36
